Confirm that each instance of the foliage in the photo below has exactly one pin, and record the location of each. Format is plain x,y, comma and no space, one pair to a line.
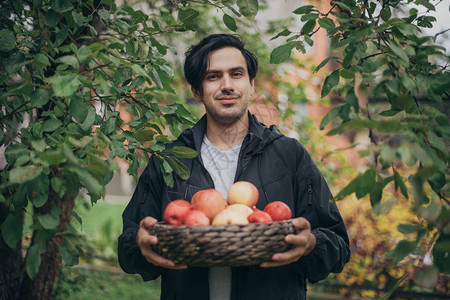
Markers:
382,54
83,84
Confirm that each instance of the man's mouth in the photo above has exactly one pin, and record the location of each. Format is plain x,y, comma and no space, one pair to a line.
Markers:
228,99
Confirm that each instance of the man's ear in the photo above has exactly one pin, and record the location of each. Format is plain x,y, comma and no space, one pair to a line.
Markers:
252,85
197,94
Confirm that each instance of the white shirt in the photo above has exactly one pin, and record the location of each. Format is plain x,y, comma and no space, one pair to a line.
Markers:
221,165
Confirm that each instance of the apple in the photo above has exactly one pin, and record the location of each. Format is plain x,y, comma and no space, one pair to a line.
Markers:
196,217
259,216
230,216
278,210
243,192
210,201
240,208
175,211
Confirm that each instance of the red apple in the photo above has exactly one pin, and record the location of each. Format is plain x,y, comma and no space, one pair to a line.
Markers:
243,192
196,217
259,216
175,211
210,201
278,210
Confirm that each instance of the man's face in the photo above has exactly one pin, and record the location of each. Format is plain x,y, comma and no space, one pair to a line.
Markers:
226,88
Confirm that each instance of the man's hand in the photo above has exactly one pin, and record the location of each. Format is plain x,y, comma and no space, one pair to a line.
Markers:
145,240
303,242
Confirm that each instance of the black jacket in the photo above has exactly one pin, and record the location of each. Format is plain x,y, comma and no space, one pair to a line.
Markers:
281,169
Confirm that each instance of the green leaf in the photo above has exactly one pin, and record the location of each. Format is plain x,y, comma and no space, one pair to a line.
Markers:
40,97
187,16
386,13
183,152
420,196
285,32
7,40
144,135
323,63
90,119
103,14
42,59
52,157
179,167
157,79
79,19
90,182
70,60
308,27
33,261
248,8
61,36
65,85
437,143
24,174
409,228
399,52
48,221
59,186
348,189
399,183
140,71
39,145
161,48
330,116
229,22
403,249
14,63
304,9
281,54
83,54
51,125
366,183
330,81
51,18
78,109
441,255
327,23
376,193
11,230
346,74
70,255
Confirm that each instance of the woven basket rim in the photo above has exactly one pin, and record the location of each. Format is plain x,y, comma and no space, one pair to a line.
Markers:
221,245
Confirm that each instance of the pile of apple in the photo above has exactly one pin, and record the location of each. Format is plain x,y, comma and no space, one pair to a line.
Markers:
209,207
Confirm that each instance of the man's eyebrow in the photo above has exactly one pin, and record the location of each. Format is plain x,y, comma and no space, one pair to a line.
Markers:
239,68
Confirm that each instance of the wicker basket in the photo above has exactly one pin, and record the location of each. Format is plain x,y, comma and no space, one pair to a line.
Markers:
221,245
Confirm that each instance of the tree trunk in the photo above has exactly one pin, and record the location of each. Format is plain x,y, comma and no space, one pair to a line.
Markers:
11,269
41,287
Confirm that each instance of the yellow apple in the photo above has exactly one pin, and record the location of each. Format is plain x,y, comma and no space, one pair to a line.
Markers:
230,216
243,192
240,208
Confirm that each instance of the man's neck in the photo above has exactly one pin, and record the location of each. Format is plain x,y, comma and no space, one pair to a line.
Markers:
225,137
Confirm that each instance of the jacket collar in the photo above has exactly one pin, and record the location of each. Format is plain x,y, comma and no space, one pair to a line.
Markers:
256,139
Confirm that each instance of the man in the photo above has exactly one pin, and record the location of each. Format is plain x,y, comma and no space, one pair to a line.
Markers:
234,146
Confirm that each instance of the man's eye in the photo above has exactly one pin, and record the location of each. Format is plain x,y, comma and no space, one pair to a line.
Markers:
211,77
237,74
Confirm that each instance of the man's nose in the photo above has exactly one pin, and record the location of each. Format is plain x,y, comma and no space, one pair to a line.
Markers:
227,83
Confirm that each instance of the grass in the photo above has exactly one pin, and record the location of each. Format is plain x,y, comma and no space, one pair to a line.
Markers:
97,279
80,283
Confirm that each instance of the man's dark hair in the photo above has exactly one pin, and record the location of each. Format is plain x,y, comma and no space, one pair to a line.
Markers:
197,57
